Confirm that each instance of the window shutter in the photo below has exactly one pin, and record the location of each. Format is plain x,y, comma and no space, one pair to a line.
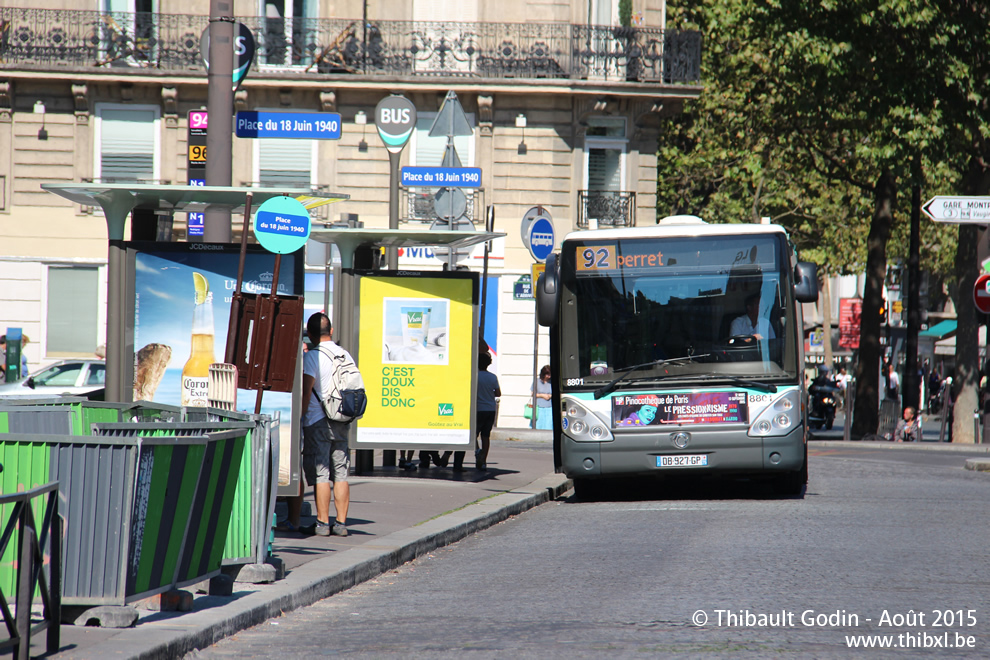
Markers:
73,301
285,162
604,169
127,145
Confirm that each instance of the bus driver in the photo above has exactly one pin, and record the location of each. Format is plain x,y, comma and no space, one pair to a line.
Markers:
751,323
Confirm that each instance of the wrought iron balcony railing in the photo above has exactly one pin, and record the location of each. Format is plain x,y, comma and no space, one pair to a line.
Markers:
50,39
416,204
607,208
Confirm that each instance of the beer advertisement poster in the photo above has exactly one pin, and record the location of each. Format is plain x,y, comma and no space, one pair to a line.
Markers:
418,356
182,302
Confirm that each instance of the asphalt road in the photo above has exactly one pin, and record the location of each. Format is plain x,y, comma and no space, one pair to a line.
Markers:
886,547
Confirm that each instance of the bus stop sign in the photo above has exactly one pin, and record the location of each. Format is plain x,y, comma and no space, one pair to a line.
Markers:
281,225
538,233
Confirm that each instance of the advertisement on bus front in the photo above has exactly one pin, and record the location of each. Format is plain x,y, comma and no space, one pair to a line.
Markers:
680,408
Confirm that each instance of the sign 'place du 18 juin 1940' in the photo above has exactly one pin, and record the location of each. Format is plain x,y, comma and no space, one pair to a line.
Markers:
302,125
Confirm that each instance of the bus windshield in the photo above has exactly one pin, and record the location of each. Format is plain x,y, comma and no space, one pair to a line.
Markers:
677,308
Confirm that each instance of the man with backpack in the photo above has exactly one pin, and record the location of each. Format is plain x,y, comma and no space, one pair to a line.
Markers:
326,457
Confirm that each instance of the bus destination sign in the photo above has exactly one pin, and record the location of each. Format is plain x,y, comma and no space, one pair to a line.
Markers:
683,408
607,257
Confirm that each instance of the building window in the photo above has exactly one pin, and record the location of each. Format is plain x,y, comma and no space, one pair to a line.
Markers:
128,143
73,310
605,154
285,162
289,32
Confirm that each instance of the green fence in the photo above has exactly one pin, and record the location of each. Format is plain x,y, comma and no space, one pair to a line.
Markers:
145,502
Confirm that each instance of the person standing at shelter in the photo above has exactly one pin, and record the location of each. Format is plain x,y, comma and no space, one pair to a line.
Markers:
488,393
544,393
326,456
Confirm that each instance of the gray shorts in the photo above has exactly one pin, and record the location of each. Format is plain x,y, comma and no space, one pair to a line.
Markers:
325,458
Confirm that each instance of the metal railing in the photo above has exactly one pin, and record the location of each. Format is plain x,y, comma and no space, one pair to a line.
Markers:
416,204
34,570
608,208
51,38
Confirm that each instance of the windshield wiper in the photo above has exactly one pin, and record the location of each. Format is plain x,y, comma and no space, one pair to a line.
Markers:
745,382
606,389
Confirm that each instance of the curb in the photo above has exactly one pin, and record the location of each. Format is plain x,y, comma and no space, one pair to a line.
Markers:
324,577
978,464
523,434
924,446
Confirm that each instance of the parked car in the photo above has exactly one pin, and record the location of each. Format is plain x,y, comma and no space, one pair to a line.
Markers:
73,377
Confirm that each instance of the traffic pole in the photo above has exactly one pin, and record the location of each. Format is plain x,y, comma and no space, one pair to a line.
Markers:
220,107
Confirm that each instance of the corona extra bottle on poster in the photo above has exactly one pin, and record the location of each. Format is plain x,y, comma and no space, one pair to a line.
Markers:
196,373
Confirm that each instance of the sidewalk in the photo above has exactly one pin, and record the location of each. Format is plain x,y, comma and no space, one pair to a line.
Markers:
930,427
394,516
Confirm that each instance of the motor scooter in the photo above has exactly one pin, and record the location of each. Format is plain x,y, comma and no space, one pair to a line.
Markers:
937,398
823,393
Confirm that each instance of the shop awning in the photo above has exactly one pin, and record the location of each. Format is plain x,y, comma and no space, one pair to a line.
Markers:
947,346
939,330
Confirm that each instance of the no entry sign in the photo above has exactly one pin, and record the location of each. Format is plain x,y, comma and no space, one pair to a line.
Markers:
980,294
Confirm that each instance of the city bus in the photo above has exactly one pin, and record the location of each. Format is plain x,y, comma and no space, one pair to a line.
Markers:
678,350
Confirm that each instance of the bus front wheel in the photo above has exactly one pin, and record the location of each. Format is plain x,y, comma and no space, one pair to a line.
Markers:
587,490
793,483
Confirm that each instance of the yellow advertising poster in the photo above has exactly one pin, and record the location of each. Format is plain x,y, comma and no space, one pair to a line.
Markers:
418,356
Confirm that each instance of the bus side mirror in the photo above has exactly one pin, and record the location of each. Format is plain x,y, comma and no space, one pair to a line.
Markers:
547,294
806,282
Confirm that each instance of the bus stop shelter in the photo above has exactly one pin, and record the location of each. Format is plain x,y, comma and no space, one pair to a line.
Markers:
118,200
349,240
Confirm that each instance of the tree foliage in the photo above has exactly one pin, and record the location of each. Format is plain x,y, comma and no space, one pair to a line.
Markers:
818,115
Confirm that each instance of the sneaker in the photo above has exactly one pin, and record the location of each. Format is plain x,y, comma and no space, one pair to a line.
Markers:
286,526
318,529
338,529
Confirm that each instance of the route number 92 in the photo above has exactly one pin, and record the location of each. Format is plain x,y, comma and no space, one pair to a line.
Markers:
601,257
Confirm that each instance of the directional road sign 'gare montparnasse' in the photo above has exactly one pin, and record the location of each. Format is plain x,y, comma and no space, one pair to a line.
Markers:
959,210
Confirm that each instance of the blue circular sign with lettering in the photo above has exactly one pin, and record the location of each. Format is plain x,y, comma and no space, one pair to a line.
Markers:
541,239
281,225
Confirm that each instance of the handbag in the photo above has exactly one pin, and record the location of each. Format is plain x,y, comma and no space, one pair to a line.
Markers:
531,413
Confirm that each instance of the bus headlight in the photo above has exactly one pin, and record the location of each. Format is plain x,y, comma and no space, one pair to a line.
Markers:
779,417
583,425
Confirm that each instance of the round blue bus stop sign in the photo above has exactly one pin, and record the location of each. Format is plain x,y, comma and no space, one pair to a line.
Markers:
281,225
541,238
